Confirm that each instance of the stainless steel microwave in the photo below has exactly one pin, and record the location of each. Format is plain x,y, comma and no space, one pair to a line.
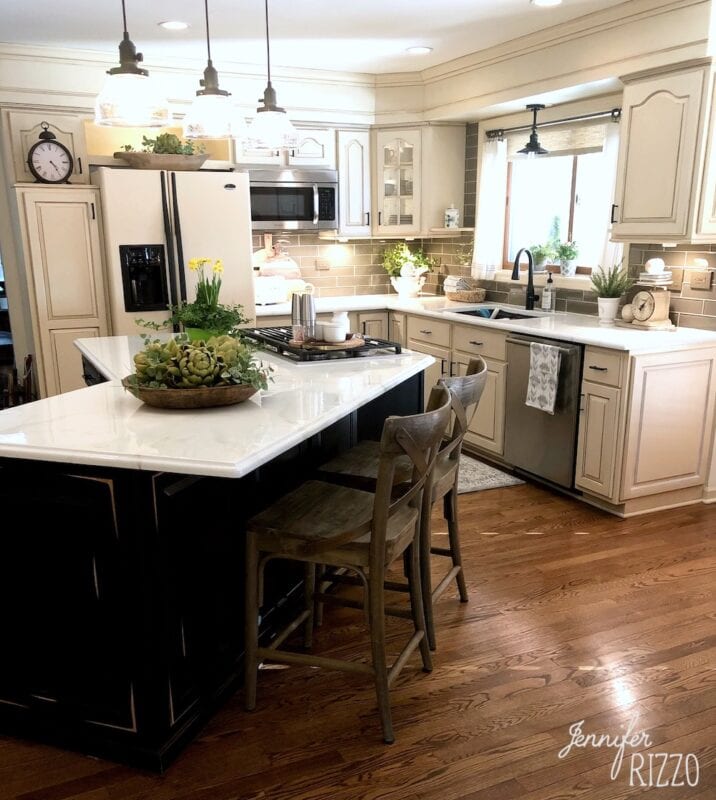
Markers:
293,199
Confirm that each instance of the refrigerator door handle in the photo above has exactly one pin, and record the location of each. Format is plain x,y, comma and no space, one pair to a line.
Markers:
315,204
173,298
180,244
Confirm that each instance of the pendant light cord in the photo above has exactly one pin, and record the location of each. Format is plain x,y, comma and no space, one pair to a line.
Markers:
268,50
208,42
124,18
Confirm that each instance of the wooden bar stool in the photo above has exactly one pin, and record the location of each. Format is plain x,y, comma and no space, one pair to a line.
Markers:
364,532
359,467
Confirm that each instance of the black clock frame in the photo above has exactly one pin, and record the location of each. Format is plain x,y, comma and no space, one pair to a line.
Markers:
47,136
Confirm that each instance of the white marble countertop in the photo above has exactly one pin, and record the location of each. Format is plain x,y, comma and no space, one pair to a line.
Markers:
562,325
106,425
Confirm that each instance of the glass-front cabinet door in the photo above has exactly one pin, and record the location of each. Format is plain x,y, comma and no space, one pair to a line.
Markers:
398,181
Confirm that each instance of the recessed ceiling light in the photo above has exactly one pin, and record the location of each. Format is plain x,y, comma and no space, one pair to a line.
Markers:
174,25
546,3
420,50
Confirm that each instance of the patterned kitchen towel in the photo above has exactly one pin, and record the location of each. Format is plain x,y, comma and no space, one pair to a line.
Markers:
543,380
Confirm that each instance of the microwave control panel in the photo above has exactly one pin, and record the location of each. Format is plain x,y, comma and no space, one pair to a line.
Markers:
326,203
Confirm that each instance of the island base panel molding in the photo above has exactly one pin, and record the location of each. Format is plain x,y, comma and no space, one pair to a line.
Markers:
127,633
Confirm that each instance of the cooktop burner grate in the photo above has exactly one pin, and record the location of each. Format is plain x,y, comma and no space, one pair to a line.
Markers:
278,340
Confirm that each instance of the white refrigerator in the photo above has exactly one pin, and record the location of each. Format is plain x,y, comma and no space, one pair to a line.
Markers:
154,221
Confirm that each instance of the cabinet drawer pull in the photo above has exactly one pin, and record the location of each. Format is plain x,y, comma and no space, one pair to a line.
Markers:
443,362
611,216
599,369
426,332
477,344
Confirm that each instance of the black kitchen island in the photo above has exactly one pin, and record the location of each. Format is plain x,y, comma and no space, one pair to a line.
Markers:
123,552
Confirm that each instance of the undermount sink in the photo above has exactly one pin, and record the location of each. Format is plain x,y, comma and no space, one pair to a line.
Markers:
496,312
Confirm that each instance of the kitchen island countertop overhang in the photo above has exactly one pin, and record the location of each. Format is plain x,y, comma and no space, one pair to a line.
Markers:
106,425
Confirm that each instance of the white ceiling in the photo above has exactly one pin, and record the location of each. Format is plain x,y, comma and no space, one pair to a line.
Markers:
359,35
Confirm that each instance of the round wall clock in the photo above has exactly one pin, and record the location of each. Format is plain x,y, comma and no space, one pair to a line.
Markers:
49,160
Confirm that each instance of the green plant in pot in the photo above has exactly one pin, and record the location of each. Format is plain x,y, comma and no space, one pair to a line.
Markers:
610,285
205,316
541,254
406,268
567,253
167,144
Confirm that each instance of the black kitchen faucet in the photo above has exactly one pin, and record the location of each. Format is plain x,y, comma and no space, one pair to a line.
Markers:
531,296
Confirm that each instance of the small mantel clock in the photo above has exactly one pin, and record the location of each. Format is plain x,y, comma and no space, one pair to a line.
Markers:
48,159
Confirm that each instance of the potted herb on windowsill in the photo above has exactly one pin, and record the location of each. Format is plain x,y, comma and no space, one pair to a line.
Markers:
541,254
567,253
610,285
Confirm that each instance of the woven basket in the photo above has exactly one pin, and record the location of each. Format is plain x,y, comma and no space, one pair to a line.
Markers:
203,397
467,295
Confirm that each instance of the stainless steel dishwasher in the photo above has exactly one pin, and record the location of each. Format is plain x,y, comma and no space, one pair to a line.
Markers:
542,444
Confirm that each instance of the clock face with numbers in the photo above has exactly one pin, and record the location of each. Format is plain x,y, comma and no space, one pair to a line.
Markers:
50,161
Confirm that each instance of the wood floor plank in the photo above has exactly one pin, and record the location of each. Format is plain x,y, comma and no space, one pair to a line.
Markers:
573,615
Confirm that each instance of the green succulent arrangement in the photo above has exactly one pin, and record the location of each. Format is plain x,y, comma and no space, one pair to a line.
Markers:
180,364
399,259
612,282
167,144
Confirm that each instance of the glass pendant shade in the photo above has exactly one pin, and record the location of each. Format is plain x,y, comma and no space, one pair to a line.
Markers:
129,100
210,117
271,130
129,97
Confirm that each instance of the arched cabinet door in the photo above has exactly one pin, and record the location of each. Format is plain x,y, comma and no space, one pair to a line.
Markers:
354,182
659,157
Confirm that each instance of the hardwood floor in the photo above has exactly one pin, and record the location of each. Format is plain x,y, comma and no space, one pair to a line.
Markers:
574,615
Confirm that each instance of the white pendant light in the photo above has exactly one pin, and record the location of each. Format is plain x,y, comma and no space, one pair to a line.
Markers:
271,128
210,115
129,97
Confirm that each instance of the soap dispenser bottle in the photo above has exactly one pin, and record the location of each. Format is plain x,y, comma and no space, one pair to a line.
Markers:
549,295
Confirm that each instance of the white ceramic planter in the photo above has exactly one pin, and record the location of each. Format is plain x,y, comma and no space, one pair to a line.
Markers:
568,267
608,307
408,287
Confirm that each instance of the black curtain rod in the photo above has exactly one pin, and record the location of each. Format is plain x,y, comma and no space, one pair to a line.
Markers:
499,133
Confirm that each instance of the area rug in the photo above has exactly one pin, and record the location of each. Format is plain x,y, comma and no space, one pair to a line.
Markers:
476,476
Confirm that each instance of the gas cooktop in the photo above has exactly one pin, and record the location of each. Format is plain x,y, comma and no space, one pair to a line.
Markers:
277,340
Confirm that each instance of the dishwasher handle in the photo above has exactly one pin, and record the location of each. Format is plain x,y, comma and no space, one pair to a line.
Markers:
526,342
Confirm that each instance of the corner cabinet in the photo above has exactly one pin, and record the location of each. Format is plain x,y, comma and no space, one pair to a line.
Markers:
418,172
666,181
63,259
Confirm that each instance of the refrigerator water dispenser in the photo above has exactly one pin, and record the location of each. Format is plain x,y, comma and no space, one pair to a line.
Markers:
144,277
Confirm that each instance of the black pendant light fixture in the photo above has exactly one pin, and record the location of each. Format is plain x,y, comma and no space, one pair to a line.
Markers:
271,129
533,147
210,114
129,97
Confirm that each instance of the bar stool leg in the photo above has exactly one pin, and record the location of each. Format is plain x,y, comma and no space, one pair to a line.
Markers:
309,588
251,627
416,605
451,515
426,583
376,619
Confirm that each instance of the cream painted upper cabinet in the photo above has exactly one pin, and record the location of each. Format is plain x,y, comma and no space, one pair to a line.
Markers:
63,257
666,184
418,172
354,182
316,148
24,128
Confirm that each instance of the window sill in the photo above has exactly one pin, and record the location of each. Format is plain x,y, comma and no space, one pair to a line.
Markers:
578,282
